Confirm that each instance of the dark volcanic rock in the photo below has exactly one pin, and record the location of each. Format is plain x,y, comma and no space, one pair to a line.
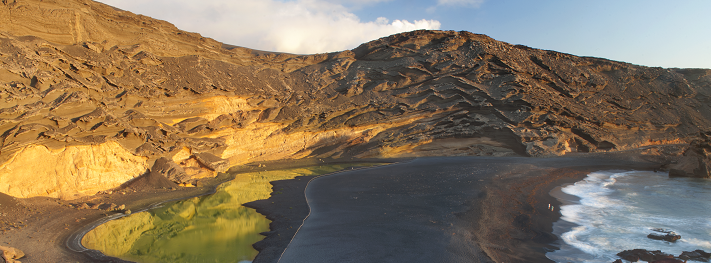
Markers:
664,234
643,254
670,237
696,160
696,255
668,260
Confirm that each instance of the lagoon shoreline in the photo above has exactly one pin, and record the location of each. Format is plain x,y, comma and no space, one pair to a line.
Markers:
500,222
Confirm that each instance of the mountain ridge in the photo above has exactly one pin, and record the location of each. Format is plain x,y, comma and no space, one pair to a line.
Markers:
136,89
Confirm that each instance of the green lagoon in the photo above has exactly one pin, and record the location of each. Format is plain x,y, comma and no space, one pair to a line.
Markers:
211,228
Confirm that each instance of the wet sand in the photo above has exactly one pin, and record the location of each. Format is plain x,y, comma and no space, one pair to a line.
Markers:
496,210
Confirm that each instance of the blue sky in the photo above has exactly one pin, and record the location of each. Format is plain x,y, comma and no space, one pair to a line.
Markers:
650,33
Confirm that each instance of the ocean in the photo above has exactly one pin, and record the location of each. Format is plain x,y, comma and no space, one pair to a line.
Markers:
612,211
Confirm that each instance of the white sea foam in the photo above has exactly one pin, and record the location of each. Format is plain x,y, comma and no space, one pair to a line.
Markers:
617,210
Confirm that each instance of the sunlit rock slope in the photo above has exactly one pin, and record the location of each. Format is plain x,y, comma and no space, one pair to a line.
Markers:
91,96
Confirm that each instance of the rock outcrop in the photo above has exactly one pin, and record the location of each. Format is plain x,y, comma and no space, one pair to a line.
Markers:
171,170
212,162
635,255
68,172
11,254
696,255
77,73
696,160
658,256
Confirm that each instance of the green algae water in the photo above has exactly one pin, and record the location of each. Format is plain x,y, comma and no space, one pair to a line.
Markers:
211,228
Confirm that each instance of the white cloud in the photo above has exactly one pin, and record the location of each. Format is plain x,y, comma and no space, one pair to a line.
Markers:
299,26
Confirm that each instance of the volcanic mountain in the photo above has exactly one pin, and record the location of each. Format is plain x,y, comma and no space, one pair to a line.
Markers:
92,96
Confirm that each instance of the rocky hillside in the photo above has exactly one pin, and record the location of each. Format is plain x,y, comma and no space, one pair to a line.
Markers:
92,96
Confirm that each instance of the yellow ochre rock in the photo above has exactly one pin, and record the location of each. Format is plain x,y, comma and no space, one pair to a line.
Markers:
11,253
69,172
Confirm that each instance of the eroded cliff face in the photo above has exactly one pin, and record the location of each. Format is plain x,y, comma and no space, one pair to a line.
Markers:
70,171
82,74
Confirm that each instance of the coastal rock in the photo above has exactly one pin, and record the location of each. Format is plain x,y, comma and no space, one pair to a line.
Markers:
668,260
696,255
695,162
635,255
90,103
10,254
665,235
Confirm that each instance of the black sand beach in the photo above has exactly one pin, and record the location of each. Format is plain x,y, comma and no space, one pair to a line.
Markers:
449,209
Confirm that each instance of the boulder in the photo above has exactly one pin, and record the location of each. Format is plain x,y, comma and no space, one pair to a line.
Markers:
668,260
696,255
213,162
669,237
635,255
10,254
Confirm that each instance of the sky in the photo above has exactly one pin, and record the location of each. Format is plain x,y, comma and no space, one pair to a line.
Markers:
656,33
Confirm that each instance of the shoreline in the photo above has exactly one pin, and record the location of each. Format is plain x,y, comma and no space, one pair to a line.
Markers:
290,209
529,234
598,225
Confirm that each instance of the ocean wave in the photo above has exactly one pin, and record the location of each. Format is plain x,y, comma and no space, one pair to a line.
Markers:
571,237
617,210
698,242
